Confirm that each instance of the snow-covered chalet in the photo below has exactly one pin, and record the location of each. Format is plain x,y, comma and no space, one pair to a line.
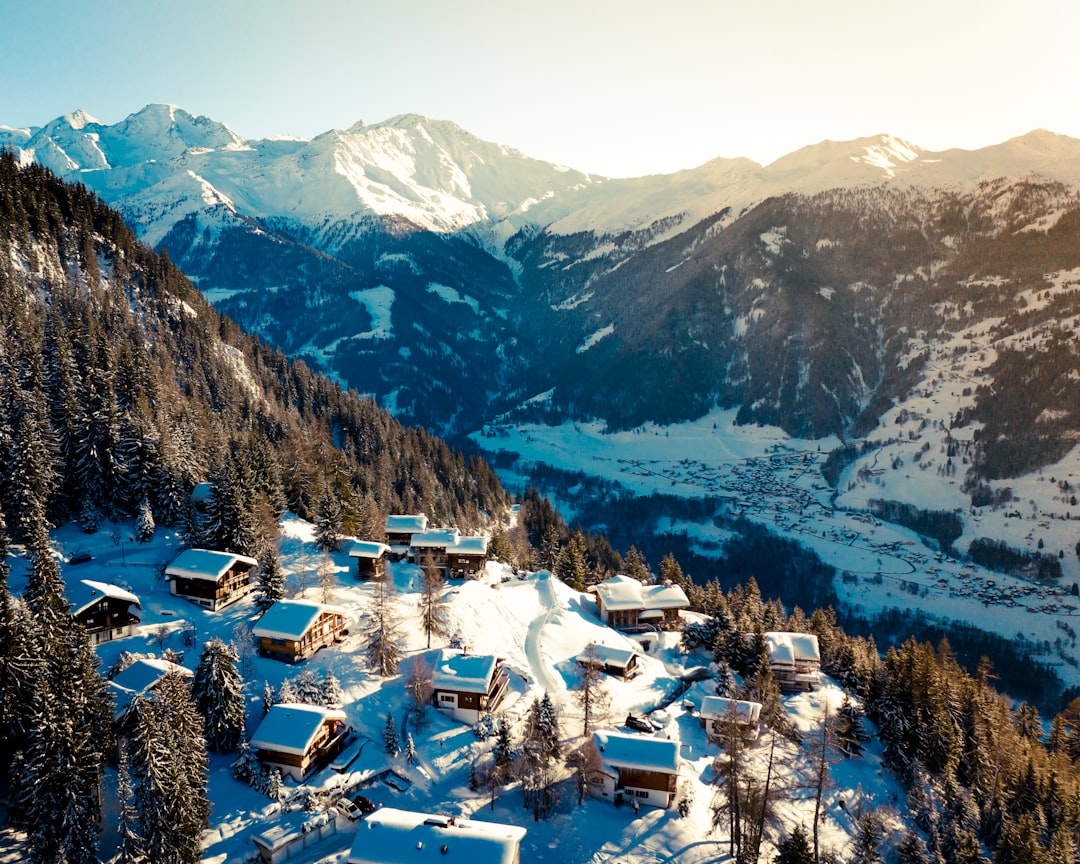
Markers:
466,685
293,630
719,711
795,660
297,738
211,579
103,609
638,768
370,558
626,604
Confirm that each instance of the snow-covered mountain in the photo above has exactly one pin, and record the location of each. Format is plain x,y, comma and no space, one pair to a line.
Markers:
455,279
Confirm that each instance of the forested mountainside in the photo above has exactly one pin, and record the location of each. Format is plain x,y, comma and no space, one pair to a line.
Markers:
121,389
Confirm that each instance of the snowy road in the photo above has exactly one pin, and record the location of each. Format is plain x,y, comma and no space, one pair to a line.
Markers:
542,670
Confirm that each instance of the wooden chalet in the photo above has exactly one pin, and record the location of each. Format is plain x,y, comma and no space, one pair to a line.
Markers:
104,610
454,555
468,557
392,836
466,685
636,767
293,630
617,662
370,558
140,679
626,604
211,579
296,738
795,660
717,712
400,528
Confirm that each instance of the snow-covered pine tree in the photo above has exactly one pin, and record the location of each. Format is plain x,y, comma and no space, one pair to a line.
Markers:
383,632
286,692
541,756
329,690
218,691
271,587
572,566
433,606
410,748
144,522
850,734
418,690
168,762
391,741
268,698
307,688
590,694
328,523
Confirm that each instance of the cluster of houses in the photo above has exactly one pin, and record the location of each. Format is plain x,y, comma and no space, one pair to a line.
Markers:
298,738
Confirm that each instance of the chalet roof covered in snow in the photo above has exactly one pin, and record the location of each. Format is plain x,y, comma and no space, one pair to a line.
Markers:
403,836
290,619
471,545
466,673
368,549
436,538
290,727
625,592
641,752
608,655
788,648
86,592
206,564
139,678
402,523
720,708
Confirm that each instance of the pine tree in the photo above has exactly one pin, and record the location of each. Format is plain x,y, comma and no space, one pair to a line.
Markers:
144,523
591,696
869,836
418,690
329,690
850,734
326,579
218,691
433,606
572,566
271,587
167,758
268,698
635,566
328,524
391,741
410,748
383,632
541,755
795,849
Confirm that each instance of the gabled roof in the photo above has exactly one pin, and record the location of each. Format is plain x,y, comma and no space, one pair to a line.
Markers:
787,648
470,545
86,592
139,678
609,656
720,708
440,537
641,752
290,619
206,564
391,836
290,727
624,592
401,523
467,673
368,549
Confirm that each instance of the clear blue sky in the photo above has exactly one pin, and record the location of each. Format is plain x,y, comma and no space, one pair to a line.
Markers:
616,87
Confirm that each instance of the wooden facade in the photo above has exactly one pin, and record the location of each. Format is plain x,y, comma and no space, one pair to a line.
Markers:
296,739
211,579
640,768
370,558
466,686
103,610
294,630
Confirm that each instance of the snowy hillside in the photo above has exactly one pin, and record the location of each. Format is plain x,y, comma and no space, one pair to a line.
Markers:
539,626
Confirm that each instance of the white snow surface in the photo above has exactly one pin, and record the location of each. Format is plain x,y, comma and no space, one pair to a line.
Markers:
538,624
162,163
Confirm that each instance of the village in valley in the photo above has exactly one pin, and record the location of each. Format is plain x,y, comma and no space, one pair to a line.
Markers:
347,765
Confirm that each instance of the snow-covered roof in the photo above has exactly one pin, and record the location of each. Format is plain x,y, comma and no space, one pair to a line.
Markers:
641,752
467,673
87,592
471,545
625,592
139,678
436,537
392,836
719,708
290,727
608,655
290,619
790,647
406,524
206,564
368,549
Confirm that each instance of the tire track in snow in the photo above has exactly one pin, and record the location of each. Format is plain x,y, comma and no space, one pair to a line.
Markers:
541,669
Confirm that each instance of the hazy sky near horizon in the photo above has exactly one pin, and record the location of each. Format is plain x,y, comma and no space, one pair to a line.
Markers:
614,87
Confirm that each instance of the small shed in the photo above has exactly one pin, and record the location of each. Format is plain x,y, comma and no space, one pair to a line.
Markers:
370,558
618,662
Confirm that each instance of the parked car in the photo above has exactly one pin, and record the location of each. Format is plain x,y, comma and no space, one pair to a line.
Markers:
638,723
348,809
364,805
